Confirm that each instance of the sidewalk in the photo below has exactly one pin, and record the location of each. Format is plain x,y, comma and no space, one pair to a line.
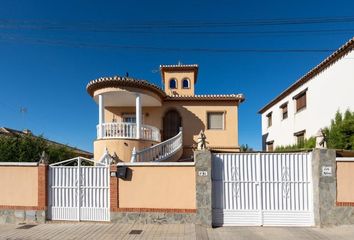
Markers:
86,231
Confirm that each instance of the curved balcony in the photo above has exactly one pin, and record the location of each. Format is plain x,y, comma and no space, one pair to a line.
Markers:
127,131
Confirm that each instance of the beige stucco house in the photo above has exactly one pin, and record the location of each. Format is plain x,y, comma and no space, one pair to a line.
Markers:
139,121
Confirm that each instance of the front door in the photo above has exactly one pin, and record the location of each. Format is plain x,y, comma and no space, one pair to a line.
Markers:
171,124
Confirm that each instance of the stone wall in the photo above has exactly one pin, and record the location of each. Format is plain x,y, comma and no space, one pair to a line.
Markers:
325,190
22,216
152,217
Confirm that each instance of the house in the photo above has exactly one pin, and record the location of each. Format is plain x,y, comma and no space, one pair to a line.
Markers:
309,104
139,121
5,131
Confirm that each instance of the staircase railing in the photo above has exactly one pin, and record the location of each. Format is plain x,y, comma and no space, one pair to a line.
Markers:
159,152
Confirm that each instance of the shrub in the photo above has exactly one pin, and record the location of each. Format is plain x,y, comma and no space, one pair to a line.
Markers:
28,148
305,145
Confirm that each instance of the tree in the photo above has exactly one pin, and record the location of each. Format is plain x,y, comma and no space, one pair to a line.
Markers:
245,148
28,148
340,134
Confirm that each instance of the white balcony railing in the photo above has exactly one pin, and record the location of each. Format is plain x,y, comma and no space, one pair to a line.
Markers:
159,152
127,130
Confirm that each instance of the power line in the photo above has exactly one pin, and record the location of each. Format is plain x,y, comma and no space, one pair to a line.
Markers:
94,26
16,39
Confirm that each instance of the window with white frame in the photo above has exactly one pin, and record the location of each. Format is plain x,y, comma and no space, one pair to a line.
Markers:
215,120
185,83
129,118
173,83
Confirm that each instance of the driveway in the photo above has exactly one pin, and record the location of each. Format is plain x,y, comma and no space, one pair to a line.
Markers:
87,231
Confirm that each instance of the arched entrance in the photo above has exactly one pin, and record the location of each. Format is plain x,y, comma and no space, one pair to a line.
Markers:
172,121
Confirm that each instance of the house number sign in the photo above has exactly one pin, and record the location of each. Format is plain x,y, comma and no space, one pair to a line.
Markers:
327,171
202,173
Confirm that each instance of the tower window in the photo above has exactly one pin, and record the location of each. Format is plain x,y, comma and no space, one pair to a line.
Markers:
185,83
173,83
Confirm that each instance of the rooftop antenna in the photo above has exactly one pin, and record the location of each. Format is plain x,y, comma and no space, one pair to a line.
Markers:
23,111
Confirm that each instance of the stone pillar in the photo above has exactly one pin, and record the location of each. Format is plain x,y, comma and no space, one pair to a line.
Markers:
138,117
100,115
114,200
324,174
203,187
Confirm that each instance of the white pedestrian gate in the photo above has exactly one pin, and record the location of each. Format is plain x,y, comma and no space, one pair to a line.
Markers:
78,191
262,189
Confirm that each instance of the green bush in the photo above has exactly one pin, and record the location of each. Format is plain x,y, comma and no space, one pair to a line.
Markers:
306,144
340,134
28,148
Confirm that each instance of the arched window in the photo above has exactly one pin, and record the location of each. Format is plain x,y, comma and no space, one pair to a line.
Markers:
185,83
173,83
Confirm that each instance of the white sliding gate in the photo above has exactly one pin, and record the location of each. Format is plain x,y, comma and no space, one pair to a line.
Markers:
262,189
78,192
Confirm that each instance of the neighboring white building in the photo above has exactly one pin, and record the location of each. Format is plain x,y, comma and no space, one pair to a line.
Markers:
311,102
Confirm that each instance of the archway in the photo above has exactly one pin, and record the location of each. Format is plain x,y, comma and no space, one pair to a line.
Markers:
172,121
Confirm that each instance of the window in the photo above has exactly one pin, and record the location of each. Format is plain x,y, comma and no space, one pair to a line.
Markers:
185,83
173,83
270,146
129,118
284,110
300,138
215,120
269,119
300,99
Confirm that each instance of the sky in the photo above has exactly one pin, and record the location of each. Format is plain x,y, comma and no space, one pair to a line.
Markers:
50,50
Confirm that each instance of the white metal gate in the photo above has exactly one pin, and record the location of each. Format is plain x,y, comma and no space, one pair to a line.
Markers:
78,192
269,189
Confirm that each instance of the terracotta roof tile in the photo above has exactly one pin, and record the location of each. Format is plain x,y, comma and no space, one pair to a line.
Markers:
118,81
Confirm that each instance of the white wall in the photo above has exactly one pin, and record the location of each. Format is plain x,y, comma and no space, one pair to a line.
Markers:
329,91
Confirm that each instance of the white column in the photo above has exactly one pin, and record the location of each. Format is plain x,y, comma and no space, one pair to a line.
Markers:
100,116
138,115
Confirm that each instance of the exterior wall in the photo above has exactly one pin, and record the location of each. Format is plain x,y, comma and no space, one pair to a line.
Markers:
179,76
23,192
18,186
122,147
345,191
194,119
158,187
327,92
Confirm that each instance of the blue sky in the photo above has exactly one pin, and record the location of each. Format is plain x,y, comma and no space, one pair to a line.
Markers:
46,69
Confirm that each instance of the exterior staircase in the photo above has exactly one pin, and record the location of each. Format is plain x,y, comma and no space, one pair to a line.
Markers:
169,150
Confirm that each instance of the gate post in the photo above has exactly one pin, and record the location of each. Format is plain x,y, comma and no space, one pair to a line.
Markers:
202,160
113,188
324,187
42,202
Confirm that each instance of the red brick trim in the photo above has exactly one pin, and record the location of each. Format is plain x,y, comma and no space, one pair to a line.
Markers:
6,207
42,186
166,210
345,204
114,199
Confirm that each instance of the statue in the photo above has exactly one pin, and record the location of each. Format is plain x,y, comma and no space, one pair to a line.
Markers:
321,139
201,141
44,159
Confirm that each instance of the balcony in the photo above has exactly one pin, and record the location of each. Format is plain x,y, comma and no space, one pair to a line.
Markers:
124,130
